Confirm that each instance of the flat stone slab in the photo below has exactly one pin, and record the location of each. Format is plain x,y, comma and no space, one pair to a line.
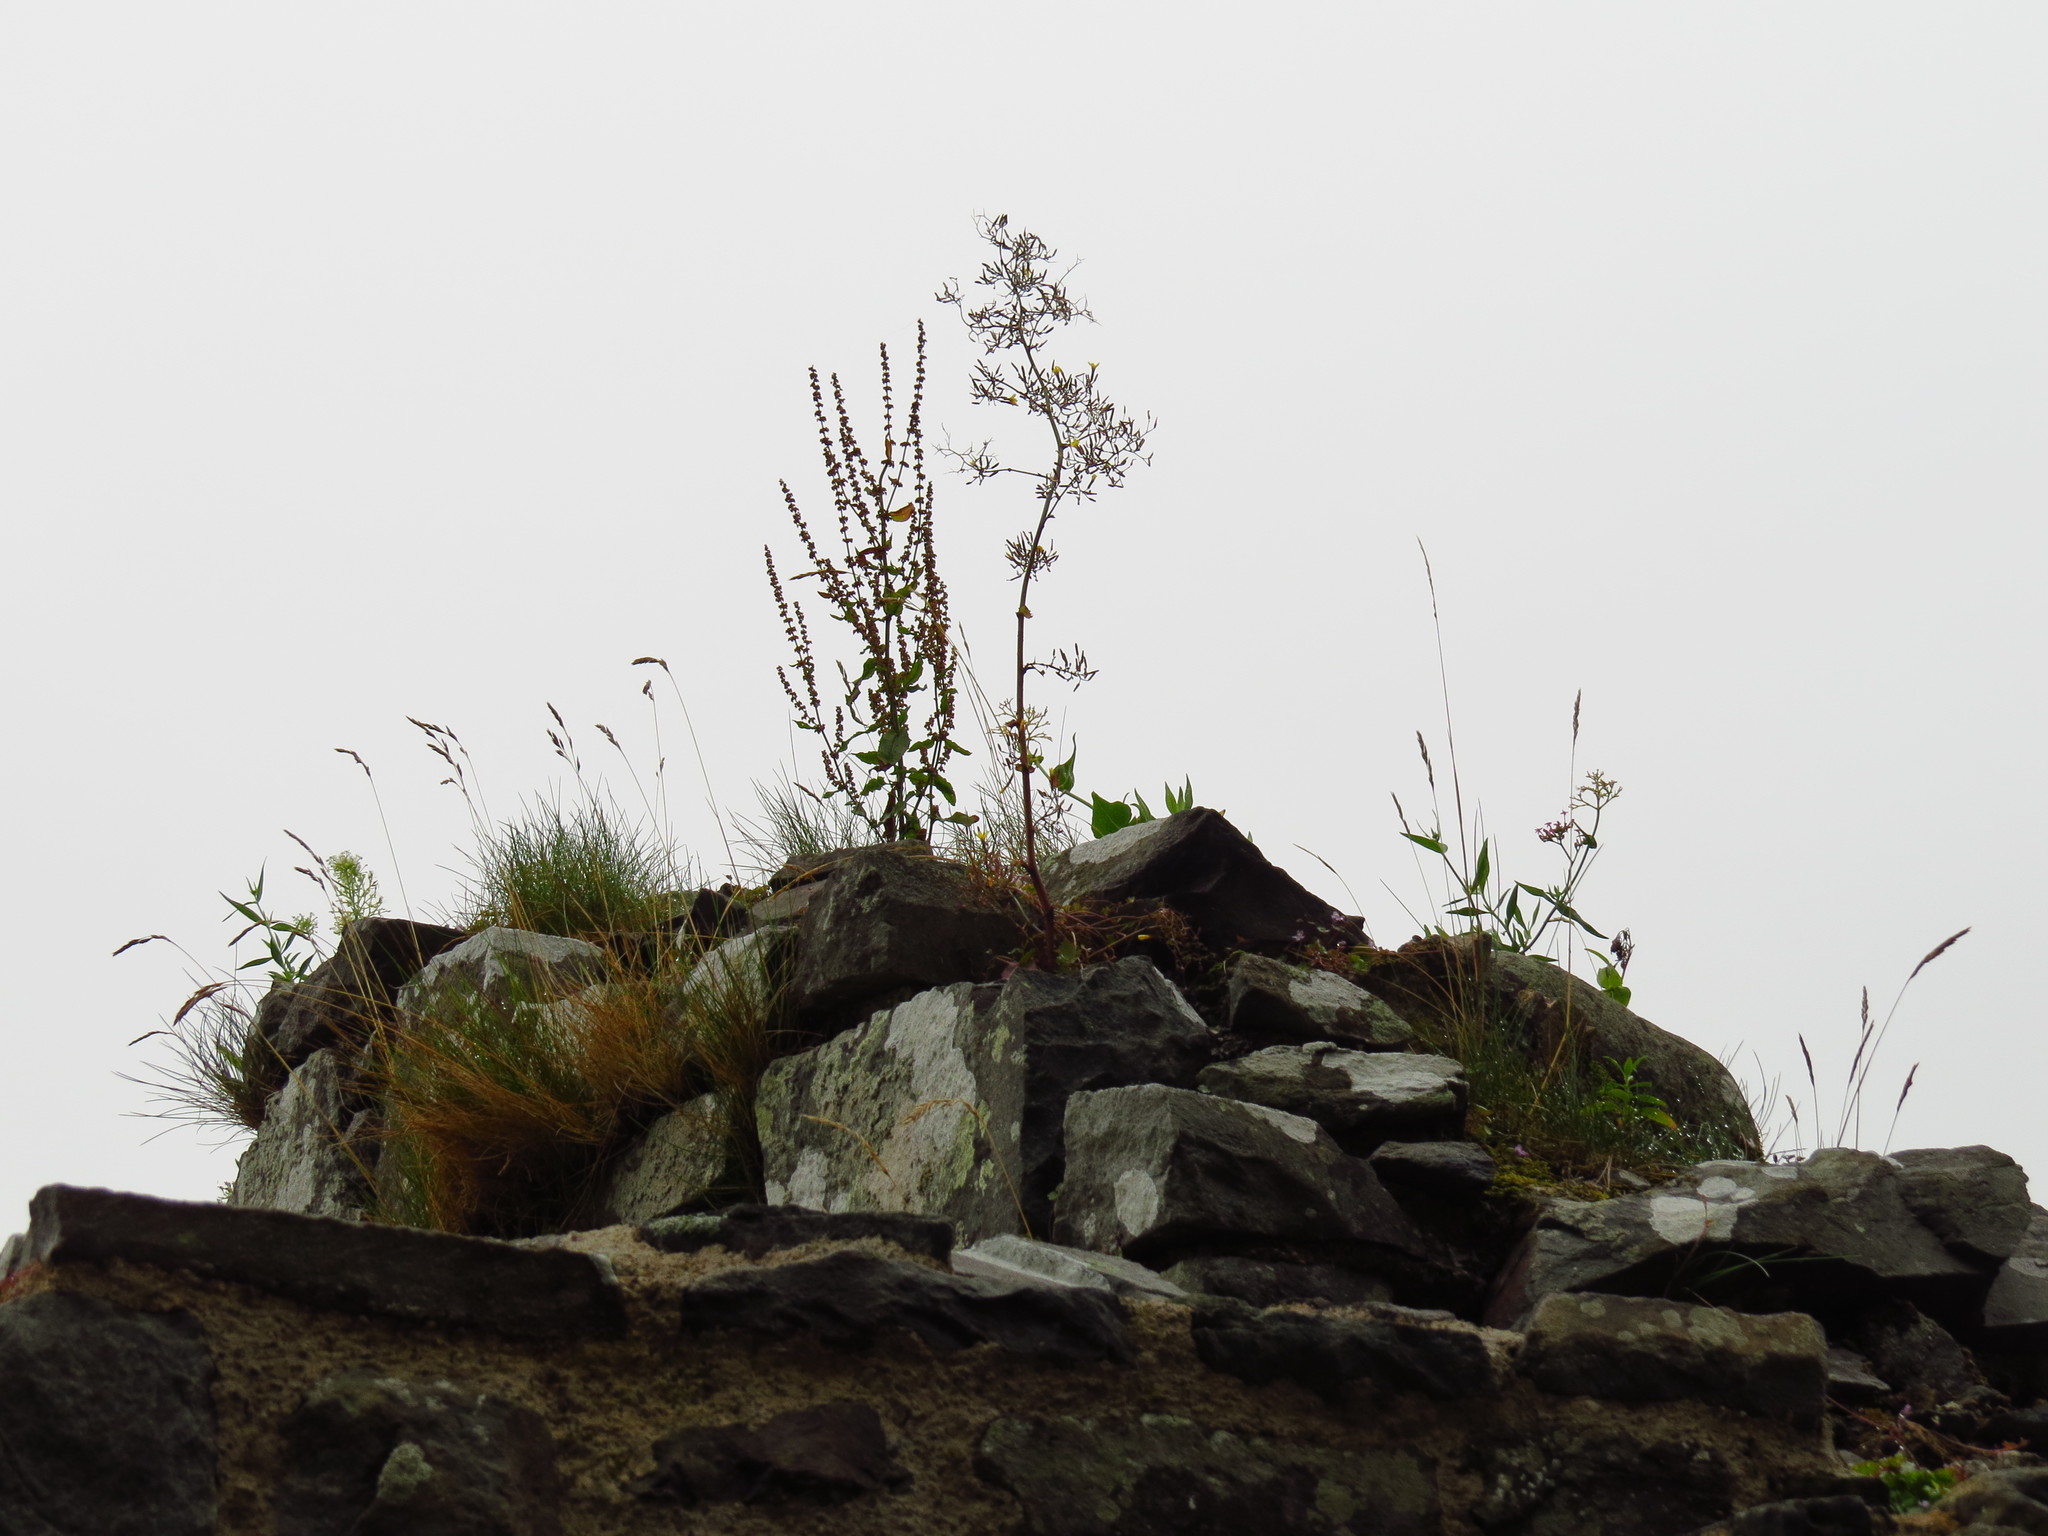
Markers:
1395,1348
1009,1257
300,1160
1450,1170
756,1230
1269,1002
343,1266
2016,1311
1361,1098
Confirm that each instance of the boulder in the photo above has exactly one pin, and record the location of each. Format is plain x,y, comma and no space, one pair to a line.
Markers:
1841,1214
1394,1349
824,1454
504,968
1009,1257
1973,1198
1361,1098
1277,1282
1269,1002
1158,1173
889,923
1162,1475
740,976
2016,1311
1912,1352
369,1453
854,1300
1209,872
106,1420
1444,1170
951,1104
680,1160
2000,1500
1647,1350
1852,1379
754,1231
348,993
302,1158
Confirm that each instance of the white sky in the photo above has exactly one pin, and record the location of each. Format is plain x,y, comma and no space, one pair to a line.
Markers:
372,360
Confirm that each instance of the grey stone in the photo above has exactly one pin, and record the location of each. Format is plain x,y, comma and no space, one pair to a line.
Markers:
1840,1205
677,1162
1645,1350
1913,1352
753,1231
1451,1170
347,1266
824,1454
1158,1173
783,907
106,1420
1972,1198
375,1454
1851,1378
13,1254
1162,1475
1360,1098
1618,1480
1840,1514
888,922
2015,1498
1009,1257
854,1300
348,994
301,1159
1276,1282
505,968
1394,1349
1209,872
2016,1310
1269,1002
951,1104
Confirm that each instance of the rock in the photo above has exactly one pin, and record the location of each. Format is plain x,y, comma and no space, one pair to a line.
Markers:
824,1454
1394,1349
2009,1498
1163,1475
13,1254
1275,1282
106,1420
951,1104
367,1453
1842,1206
851,1300
754,1231
301,1159
1621,1482
1841,1514
2026,1428
742,976
1851,1378
677,1162
2016,1310
1009,1257
1269,1002
1361,1099
1159,1173
504,968
347,1266
888,923
783,907
1914,1353
1645,1350
1972,1198
1448,1170
713,915
348,993
1209,872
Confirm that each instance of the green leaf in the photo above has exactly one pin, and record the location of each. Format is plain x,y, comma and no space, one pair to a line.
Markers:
943,788
1184,801
1144,810
1427,842
1061,777
1484,868
890,749
1108,816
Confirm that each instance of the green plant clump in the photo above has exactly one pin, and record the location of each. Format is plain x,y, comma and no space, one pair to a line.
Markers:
1910,1487
575,872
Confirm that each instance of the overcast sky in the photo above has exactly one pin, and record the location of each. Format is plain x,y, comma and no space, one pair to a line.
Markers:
380,360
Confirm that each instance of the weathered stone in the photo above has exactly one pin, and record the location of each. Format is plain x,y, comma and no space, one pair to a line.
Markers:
1647,1350
347,1266
1840,1514
1972,1198
824,1454
781,908
1158,1173
677,1162
890,922
1841,1206
1450,1170
952,1103
1569,1482
505,968
2016,1311
851,1300
757,1230
1913,1353
1269,1002
1276,1282
1851,1379
741,977
713,915
13,1254
1394,1349
1168,1476
1209,872
106,1420
1009,1257
301,1159
347,994
1360,1098
2013,1498
367,1453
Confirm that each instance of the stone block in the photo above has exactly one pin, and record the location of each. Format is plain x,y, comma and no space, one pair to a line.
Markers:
2016,1310
347,994
505,968
753,1231
1278,1282
825,1454
1973,1198
1009,1257
1361,1098
1446,1170
1394,1349
1269,1002
677,1162
301,1159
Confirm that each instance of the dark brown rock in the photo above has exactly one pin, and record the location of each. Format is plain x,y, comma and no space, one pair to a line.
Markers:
1269,1002
349,993
823,1455
1393,1349
756,1230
